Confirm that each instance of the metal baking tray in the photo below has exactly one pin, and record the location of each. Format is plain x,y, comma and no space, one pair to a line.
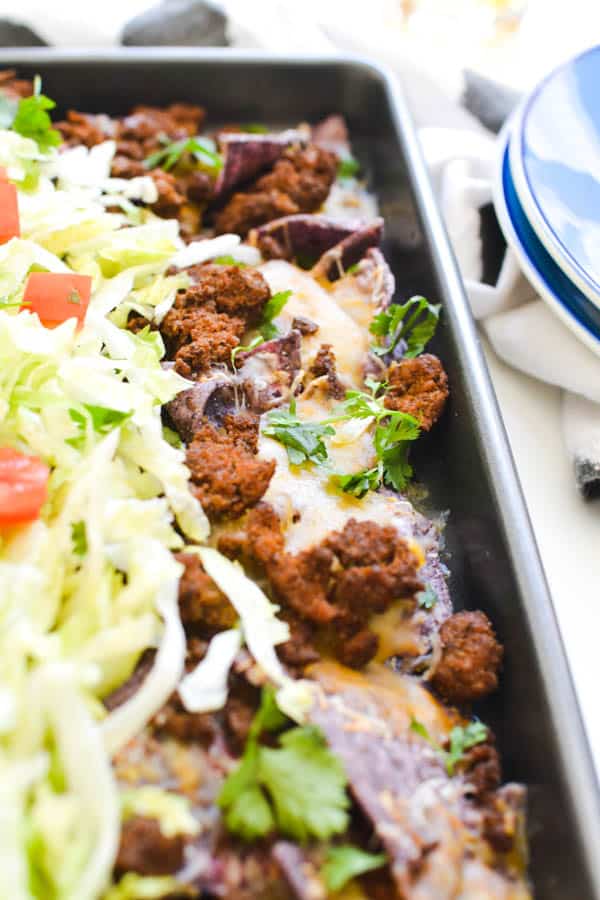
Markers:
466,463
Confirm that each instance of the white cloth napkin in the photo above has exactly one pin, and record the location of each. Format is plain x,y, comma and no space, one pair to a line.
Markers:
462,157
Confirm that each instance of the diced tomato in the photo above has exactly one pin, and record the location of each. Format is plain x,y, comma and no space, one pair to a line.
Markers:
3,174
9,212
23,486
57,296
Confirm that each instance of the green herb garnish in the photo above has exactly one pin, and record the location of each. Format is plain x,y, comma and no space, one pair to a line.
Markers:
102,418
413,322
271,310
345,862
202,149
348,168
352,269
427,598
298,788
360,483
31,119
303,441
462,738
394,432
79,538
243,348
228,260
255,128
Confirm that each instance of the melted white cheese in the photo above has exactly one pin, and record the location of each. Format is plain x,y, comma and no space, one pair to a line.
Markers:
350,342
309,507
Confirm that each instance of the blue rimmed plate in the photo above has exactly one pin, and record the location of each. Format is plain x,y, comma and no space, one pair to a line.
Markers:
555,166
552,284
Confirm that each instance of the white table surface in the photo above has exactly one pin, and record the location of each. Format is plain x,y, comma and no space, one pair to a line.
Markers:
567,529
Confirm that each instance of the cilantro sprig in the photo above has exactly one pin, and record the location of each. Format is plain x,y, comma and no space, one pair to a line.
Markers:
303,441
462,738
344,862
202,149
30,117
348,168
267,328
394,433
271,310
413,322
297,787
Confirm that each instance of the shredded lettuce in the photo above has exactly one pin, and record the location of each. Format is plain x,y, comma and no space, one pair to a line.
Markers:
224,245
205,688
89,586
261,628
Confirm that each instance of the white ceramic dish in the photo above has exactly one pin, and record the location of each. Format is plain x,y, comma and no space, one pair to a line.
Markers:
554,151
565,298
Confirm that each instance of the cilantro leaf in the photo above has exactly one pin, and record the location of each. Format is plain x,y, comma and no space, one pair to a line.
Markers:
394,432
79,538
462,738
413,322
360,483
348,168
306,784
346,862
202,149
427,598
31,119
298,787
303,441
228,260
269,717
247,811
272,308
102,418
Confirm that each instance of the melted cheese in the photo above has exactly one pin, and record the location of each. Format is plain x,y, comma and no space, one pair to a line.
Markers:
310,507
398,698
358,300
350,342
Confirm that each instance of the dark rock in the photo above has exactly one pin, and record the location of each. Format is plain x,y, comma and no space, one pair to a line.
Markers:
182,23
489,101
13,34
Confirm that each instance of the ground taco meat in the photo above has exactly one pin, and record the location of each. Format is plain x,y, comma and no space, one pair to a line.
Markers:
337,585
226,475
419,387
324,366
209,318
145,849
471,657
299,182
201,603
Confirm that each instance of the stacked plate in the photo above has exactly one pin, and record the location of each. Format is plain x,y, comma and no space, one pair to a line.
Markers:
547,192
